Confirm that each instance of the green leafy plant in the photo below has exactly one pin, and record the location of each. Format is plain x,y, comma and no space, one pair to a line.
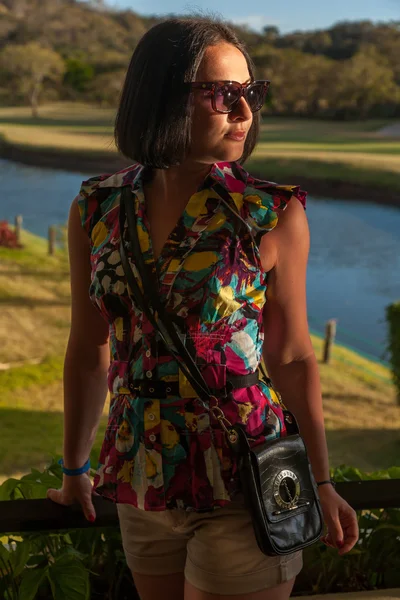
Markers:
374,563
67,565
393,320
90,563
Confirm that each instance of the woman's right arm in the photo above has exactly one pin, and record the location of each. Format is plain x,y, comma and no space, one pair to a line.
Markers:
85,371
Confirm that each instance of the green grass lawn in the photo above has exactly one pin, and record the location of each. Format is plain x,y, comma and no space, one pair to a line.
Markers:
352,152
292,171
31,416
361,414
280,129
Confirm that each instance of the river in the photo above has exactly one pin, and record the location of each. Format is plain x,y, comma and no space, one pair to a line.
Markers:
354,264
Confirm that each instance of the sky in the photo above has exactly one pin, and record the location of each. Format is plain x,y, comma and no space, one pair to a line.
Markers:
287,15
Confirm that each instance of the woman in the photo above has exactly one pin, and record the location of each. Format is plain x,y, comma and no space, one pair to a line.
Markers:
185,529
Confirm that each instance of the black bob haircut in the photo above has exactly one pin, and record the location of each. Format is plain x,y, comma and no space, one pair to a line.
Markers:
153,122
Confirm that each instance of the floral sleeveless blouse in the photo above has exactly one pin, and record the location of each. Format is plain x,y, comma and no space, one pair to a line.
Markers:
164,453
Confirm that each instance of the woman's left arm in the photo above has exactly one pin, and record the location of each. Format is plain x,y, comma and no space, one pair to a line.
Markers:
291,361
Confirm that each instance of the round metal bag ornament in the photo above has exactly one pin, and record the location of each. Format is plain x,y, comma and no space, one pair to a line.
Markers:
286,489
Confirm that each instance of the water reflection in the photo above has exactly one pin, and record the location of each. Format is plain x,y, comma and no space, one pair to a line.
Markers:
354,268
41,196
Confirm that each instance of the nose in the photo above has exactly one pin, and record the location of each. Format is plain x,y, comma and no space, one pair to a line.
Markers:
241,112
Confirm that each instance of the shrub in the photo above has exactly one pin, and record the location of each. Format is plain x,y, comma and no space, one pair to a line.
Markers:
393,320
8,237
78,564
374,563
90,563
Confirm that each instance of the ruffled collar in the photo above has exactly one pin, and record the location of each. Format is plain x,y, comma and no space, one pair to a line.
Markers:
230,175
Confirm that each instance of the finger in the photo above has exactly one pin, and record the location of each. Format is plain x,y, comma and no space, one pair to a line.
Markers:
88,508
350,539
350,530
336,532
327,541
55,496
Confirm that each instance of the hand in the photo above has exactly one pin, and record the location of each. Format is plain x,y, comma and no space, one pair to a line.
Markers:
77,488
340,519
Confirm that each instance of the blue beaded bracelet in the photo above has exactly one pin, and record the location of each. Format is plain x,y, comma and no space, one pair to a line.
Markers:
83,469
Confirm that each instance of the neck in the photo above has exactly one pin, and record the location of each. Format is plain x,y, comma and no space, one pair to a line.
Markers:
184,179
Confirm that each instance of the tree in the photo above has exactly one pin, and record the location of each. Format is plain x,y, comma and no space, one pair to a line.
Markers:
28,67
78,74
271,34
105,89
296,80
98,4
318,43
364,87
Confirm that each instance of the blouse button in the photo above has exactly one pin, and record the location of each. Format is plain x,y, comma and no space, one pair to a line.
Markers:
151,416
168,390
148,353
149,374
152,437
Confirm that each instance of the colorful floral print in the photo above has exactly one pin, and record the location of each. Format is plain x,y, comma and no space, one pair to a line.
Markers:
165,453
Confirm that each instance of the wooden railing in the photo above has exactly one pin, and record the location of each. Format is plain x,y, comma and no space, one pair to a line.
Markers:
44,515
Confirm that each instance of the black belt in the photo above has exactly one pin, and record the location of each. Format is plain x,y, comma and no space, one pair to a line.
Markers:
162,389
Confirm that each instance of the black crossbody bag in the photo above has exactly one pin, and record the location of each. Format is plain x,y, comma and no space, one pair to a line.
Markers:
276,478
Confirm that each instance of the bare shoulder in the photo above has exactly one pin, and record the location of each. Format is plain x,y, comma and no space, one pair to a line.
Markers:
77,236
88,327
293,218
289,238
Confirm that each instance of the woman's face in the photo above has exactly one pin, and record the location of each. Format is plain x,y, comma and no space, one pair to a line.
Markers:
212,132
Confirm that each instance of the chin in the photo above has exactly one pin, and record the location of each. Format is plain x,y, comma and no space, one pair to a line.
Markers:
221,153
230,155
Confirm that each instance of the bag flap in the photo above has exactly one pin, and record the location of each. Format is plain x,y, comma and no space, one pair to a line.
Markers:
284,477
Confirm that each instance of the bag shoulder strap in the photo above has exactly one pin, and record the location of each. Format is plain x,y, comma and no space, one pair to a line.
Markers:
154,308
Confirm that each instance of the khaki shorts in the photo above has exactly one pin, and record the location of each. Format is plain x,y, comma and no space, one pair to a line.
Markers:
217,551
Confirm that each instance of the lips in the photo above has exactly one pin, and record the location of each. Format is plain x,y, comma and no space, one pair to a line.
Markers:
238,136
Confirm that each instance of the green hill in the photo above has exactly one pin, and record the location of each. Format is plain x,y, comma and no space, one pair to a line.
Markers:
91,45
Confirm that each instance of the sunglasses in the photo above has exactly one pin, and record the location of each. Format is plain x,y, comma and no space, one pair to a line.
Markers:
225,95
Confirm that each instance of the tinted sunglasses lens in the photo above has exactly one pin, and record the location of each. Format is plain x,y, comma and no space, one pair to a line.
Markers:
255,96
226,96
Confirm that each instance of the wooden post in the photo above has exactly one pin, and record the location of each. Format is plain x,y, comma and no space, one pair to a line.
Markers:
52,239
330,333
18,227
